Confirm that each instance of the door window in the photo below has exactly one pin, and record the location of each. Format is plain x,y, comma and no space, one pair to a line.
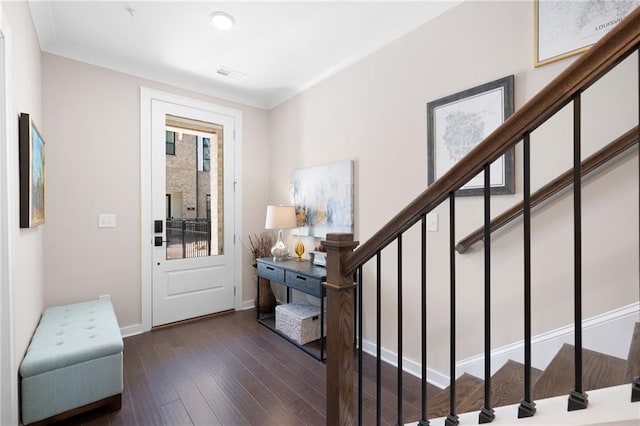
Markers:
194,188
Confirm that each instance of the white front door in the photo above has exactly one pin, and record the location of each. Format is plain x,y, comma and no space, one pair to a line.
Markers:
192,184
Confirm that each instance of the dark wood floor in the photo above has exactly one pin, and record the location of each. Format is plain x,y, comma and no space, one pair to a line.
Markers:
230,370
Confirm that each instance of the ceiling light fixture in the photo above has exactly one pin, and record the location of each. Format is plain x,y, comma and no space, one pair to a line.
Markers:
222,21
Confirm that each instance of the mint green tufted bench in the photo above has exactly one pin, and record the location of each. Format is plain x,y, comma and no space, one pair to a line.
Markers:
73,363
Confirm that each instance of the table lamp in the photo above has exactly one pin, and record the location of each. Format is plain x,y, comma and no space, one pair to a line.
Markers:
280,217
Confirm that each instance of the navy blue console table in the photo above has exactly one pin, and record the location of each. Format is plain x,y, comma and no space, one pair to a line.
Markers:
301,276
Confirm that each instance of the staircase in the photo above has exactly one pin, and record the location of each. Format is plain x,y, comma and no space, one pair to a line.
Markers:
601,371
573,371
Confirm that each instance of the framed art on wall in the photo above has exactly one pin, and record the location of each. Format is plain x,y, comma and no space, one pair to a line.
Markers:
323,197
459,122
566,28
32,174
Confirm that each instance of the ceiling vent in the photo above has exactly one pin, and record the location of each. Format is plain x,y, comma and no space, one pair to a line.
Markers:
230,73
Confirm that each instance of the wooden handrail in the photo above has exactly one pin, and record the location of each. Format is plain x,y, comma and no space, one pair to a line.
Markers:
600,58
590,164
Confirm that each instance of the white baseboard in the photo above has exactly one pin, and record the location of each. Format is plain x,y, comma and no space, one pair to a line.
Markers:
131,330
410,366
248,304
609,333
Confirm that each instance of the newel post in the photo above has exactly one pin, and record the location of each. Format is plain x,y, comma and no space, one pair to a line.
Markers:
339,286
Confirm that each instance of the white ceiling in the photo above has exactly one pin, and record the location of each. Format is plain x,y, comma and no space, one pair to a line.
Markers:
278,48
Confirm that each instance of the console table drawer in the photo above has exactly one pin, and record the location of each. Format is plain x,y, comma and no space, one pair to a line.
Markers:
271,273
309,285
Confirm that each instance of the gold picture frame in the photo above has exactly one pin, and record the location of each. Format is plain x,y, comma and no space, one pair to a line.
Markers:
566,28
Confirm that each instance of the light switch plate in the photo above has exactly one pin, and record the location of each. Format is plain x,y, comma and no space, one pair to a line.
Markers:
106,220
432,222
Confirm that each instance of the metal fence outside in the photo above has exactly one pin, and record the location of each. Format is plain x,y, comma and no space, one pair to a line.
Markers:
187,238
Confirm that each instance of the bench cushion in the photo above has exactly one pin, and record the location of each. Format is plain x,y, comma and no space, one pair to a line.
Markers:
71,334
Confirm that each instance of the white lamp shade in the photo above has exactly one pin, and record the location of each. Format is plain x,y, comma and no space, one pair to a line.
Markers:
280,217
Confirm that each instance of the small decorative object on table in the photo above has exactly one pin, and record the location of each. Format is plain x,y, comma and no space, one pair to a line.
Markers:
261,247
299,249
319,256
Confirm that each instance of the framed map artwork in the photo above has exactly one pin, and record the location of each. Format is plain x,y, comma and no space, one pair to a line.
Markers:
566,28
459,122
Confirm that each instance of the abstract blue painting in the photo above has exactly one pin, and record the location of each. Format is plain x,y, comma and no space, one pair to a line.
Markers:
32,173
323,197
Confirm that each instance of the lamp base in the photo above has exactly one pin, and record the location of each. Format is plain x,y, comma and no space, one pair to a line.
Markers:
280,251
281,257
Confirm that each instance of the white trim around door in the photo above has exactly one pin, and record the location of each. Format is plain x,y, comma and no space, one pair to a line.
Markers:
8,225
147,96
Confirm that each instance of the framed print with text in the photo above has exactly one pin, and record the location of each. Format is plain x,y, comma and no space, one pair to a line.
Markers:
566,28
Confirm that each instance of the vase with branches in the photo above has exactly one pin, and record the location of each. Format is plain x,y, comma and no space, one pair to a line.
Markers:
260,246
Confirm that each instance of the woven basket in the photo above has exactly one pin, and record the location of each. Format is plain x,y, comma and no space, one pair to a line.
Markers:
267,301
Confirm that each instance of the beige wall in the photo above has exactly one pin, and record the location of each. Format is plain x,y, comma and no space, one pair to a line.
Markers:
374,113
92,126
25,63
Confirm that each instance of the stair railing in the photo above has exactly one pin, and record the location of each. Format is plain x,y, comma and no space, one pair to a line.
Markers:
343,261
590,164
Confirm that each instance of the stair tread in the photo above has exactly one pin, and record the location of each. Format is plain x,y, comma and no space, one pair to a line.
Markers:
438,406
507,384
633,360
599,371
507,387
